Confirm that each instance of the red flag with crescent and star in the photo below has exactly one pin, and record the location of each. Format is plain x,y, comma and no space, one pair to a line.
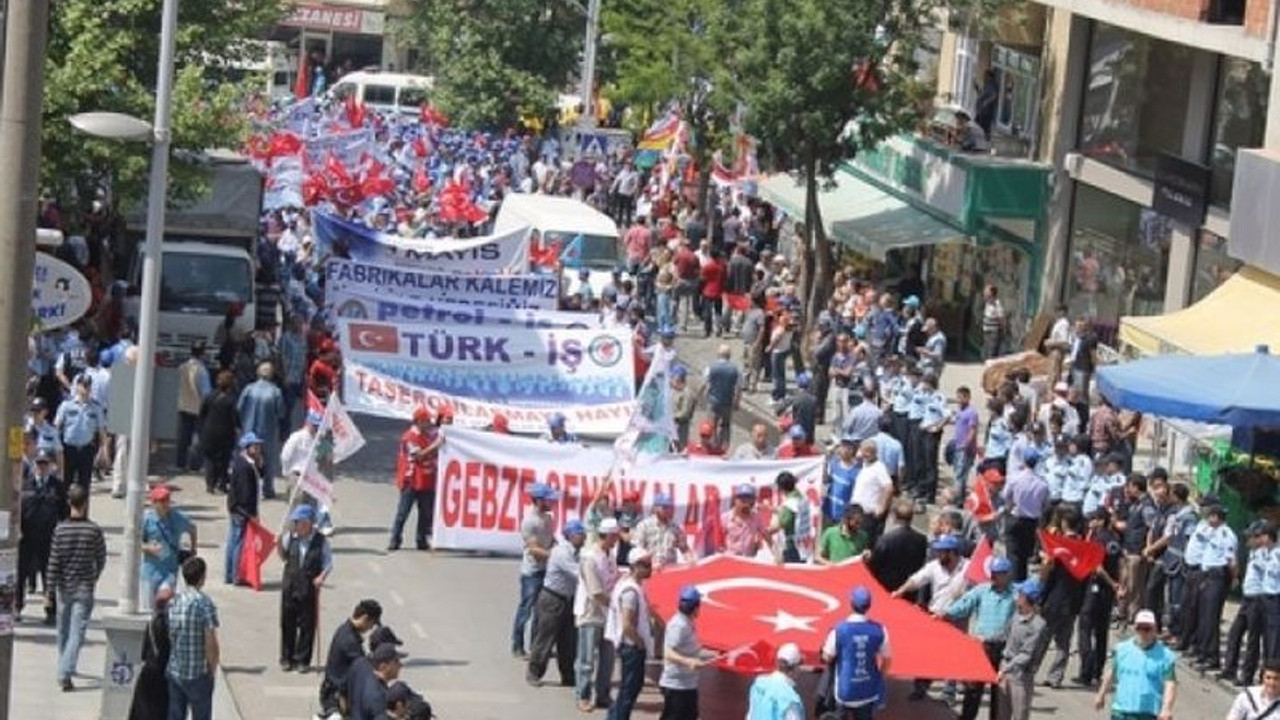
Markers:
752,608
1079,557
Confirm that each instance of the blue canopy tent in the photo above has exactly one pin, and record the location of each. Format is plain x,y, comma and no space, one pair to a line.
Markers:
1242,391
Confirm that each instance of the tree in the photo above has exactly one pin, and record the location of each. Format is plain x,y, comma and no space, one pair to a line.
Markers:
823,79
102,56
496,61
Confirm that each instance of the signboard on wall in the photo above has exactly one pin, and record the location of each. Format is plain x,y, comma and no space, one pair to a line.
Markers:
1181,190
336,19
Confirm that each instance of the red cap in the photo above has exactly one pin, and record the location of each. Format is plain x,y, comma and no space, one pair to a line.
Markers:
421,414
706,428
445,411
159,493
631,496
500,423
326,345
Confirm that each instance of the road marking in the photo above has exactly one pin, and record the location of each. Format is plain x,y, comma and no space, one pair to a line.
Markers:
395,597
375,567
417,628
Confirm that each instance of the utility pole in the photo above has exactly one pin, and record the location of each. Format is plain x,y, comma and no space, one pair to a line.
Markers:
26,34
588,118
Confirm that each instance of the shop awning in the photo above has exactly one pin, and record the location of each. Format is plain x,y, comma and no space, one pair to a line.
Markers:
1242,313
861,216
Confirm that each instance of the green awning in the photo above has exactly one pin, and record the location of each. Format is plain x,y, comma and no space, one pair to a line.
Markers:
861,216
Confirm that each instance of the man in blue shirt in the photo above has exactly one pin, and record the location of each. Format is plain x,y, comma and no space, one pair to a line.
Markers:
859,649
1251,618
164,531
934,416
83,427
992,606
1143,671
1217,544
888,449
842,471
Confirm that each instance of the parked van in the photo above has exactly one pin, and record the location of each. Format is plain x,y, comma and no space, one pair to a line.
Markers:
564,218
385,91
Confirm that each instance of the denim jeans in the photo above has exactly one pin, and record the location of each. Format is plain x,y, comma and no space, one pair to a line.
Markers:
962,466
235,538
587,663
666,314
530,585
632,660
425,501
74,608
778,369
196,694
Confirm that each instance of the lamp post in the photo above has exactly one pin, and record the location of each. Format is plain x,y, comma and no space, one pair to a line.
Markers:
116,126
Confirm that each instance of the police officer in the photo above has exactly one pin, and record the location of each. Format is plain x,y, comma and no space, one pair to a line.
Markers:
82,424
47,436
44,505
1217,569
934,415
1250,624
1101,589
308,560
344,649
918,398
858,648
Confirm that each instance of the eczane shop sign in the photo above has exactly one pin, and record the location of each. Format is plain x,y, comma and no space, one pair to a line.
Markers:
336,19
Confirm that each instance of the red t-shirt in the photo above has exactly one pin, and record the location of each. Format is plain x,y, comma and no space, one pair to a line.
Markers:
687,265
712,278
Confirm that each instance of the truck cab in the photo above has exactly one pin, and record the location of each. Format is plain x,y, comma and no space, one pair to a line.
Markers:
563,219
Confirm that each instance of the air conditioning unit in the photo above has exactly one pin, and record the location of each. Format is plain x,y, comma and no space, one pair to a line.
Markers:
1224,12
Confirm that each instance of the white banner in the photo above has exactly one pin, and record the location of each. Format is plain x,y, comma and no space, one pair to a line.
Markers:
384,308
505,291
347,438
527,373
507,253
317,486
483,479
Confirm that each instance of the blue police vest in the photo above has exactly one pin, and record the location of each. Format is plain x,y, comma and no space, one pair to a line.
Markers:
858,677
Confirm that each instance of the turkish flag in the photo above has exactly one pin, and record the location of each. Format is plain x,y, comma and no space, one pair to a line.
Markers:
739,302
1079,557
980,564
746,603
256,548
371,337
979,501
757,658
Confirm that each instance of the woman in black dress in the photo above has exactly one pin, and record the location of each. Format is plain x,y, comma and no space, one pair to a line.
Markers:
151,694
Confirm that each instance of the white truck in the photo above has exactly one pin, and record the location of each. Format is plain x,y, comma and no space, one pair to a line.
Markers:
207,268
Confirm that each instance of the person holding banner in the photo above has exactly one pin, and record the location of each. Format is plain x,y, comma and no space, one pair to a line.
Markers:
308,560
658,535
556,431
535,530
682,657
416,478
745,534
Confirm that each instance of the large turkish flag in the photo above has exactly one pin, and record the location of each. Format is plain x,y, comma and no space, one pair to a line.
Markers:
745,602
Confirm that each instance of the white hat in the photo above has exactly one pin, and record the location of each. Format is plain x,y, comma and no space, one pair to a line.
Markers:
637,554
789,655
609,526
1144,617
1061,387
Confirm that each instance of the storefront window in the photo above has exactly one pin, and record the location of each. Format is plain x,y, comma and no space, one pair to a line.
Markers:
1119,254
1213,265
1239,121
1136,95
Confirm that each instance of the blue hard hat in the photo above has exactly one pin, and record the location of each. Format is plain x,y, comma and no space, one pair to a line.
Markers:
679,371
912,301
1001,565
689,595
542,491
667,331
1030,587
744,490
303,512
661,499
946,542
797,433
556,420
803,380
574,527
1031,456
248,439
860,598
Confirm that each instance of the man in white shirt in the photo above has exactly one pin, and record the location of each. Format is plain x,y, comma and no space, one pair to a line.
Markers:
1259,701
873,490
1059,340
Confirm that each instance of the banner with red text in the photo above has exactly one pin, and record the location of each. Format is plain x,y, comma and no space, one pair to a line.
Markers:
483,477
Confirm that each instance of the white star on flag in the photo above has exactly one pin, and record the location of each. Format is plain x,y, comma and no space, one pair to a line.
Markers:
783,621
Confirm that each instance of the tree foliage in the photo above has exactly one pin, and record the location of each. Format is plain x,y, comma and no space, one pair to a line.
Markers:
495,61
102,56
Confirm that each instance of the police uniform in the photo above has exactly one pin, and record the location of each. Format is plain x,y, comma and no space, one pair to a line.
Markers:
915,413
1216,564
1249,626
898,392
933,414
81,423
1271,603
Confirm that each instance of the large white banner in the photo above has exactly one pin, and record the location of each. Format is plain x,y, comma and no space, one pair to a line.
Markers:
527,373
386,308
507,253
505,291
483,479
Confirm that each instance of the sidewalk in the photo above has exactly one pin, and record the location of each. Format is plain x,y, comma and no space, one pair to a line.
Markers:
35,693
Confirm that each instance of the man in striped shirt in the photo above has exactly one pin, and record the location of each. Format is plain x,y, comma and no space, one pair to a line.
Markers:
76,558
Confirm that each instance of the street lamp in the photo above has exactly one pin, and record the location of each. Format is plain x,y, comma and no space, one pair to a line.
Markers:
117,126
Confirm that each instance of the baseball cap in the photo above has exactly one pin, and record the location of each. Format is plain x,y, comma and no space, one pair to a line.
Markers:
384,635
1061,387
679,371
1000,565
574,527
421,414
744,490
609,526
661,499
803,379
797,432
369,608
860,598
159,493
386,652
1030,588
556,420
543,491
1031,456
912,301
445,411
945,543
1144,618
631,496
789,655
249,439
303,512
638,555
690,595
706,428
